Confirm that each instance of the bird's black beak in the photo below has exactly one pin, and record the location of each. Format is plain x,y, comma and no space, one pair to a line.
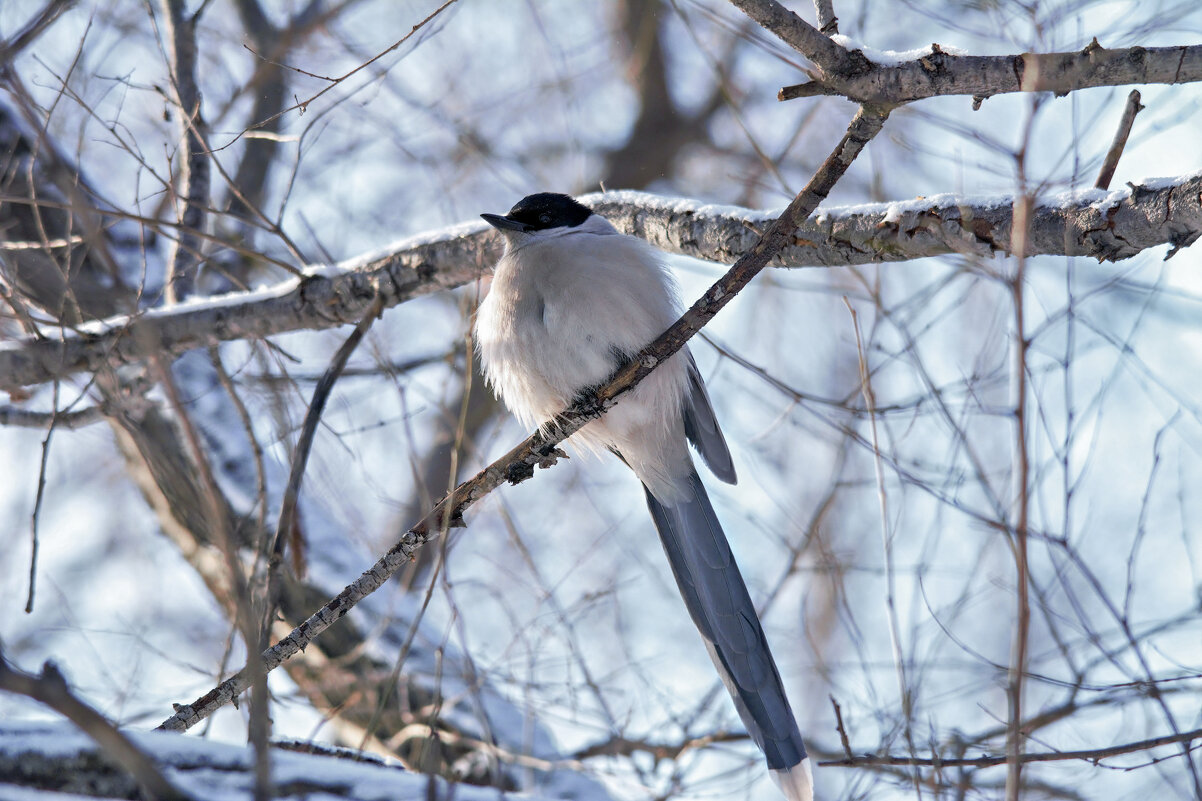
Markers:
504,224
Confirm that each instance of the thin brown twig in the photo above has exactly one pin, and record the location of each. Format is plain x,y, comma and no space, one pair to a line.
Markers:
839,727
227,383
25,418
303,105
1093,755
1120,141
160,227
1017,671
304,444
899,662
37,502
627,746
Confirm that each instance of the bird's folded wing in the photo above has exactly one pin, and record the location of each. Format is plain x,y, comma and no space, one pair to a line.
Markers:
701,427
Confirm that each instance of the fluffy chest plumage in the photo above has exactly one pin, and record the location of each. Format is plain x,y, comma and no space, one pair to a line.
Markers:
561,316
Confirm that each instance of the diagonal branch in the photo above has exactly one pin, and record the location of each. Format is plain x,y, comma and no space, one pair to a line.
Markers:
35,27
832,59
540,448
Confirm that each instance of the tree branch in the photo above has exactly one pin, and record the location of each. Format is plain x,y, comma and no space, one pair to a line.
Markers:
37,25
942,73
853,75
24,418
803,37
1106,226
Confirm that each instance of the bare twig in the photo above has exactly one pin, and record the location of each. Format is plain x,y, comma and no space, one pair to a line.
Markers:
839,727
227,383
303,105
626,746
1093,755
300,454
1120,141
24,418
37,503
1020,477
899,661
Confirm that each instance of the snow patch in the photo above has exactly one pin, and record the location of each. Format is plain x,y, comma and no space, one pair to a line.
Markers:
892,58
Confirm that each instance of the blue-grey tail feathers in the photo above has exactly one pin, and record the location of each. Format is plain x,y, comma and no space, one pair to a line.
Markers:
718,602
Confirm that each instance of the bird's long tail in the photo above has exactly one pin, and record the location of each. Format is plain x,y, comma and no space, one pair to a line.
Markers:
720,606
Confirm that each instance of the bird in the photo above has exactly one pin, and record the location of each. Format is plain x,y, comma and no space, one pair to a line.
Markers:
573,299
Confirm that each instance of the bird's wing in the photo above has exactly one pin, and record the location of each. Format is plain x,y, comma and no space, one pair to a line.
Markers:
701,427
720,606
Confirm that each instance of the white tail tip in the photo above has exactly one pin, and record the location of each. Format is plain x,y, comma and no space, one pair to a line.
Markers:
796,783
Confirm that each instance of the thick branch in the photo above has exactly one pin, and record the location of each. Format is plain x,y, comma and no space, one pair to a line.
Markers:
1106,226
851,74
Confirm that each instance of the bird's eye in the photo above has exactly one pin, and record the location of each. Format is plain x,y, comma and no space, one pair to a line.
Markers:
544,218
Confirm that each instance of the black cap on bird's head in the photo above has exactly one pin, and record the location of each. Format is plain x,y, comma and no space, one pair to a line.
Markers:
540,212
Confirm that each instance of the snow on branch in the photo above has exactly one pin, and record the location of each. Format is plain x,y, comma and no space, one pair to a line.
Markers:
54,757
936,71
1104,225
